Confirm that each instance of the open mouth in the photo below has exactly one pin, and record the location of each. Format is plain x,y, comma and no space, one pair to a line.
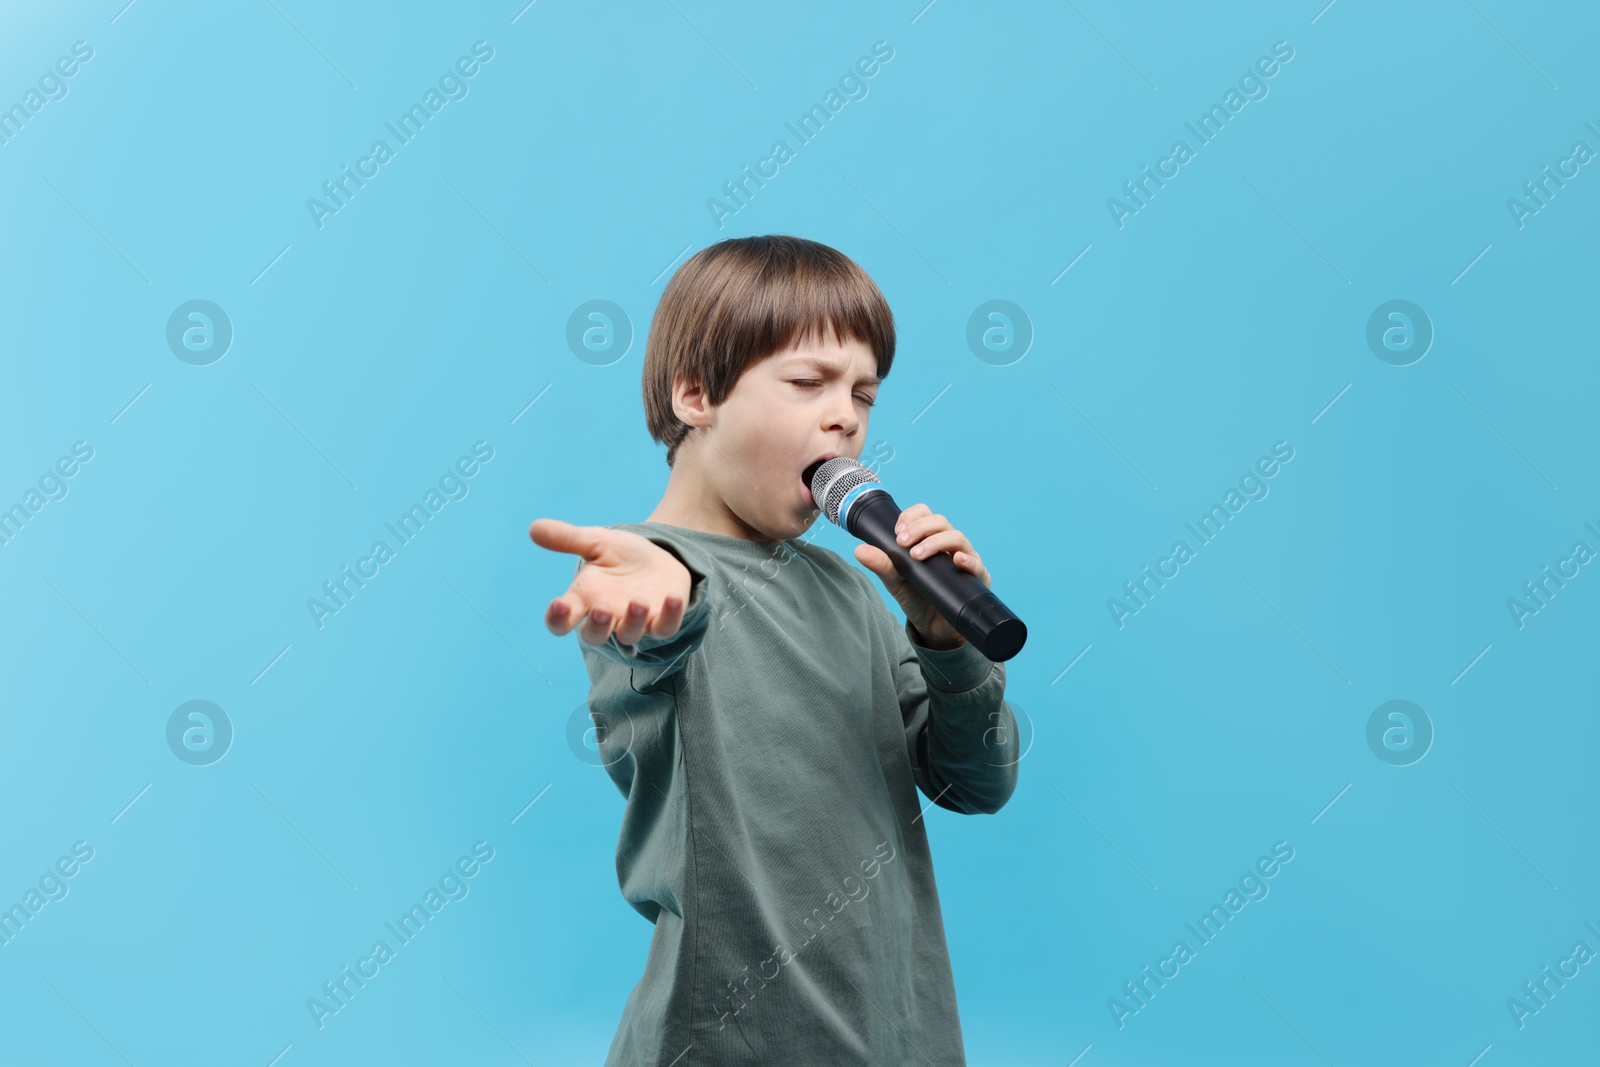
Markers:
811,472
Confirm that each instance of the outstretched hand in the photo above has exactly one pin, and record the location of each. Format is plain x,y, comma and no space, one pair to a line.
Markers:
627,584
924,533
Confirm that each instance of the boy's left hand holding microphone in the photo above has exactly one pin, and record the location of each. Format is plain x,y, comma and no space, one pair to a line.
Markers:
924,533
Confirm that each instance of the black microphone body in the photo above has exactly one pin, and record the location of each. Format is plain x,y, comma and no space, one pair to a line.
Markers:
870,513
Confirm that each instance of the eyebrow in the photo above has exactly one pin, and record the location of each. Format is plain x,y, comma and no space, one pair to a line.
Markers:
824,367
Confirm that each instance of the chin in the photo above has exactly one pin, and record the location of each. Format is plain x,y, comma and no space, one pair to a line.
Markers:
802,522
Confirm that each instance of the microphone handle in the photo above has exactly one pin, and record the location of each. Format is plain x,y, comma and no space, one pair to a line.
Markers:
975,612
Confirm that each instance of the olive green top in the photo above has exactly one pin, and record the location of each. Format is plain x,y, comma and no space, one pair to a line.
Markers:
771,752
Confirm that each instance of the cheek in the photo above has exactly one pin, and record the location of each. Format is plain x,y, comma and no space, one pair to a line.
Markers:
763,445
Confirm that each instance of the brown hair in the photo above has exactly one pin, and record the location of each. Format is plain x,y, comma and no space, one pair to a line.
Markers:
739,301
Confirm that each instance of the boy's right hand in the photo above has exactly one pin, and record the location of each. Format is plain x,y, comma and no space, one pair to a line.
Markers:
627,583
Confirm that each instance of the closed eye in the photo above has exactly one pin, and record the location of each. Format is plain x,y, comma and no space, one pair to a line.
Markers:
809,382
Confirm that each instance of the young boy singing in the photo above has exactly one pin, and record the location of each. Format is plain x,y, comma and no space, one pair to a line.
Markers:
761,710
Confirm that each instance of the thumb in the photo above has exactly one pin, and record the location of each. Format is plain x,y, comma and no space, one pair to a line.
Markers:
874,559
561,536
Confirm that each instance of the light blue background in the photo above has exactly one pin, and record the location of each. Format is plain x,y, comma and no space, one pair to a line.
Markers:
1228,314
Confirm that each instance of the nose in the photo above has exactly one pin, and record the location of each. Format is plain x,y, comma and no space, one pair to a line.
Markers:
842,415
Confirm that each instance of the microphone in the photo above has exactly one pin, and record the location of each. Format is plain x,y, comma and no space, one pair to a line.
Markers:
852,497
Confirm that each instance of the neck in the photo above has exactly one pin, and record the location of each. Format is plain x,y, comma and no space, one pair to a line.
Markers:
692,502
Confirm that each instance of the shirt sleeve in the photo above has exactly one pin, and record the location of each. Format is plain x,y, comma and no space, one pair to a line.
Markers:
653,658
961,735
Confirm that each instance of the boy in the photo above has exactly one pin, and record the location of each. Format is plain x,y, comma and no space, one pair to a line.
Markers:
766,718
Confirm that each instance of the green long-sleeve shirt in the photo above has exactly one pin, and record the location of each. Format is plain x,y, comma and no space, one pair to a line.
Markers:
770,752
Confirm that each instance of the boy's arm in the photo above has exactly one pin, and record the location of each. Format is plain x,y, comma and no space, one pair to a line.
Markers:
961,735
655,658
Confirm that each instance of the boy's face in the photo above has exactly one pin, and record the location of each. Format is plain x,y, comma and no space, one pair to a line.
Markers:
785,412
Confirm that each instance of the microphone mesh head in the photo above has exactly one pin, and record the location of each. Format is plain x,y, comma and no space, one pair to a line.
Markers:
834,480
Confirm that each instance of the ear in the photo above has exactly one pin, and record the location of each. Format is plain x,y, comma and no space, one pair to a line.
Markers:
689,403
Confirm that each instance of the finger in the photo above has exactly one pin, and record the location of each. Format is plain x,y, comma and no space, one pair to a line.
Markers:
909,515
561,536
878,562
671,616
919,528
631,626
596,628
973,565
872,558
563,613
951,540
